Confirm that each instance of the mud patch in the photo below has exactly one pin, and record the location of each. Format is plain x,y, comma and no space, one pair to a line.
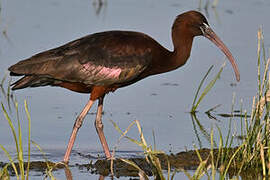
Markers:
180,161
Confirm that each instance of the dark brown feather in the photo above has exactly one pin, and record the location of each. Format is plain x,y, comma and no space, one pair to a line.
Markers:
85,60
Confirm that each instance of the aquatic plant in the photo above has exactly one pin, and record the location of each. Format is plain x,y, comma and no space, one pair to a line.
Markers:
253,152
150,153
19,166
208,87
19,172
256,144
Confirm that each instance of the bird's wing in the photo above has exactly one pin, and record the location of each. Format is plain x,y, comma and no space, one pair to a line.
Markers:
98,59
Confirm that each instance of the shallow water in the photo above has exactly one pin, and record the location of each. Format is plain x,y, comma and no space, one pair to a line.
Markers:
160,102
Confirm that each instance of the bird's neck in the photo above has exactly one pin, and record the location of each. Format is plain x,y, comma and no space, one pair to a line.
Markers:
167,61
181,53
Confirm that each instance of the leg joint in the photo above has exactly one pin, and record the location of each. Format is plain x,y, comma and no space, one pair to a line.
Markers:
99,124
78,123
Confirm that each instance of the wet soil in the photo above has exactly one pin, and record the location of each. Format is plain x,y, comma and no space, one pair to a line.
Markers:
181,161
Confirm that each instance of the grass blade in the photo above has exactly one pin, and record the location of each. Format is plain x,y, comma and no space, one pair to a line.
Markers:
49,165
199,88
141,172
11,126
207,88
10,160
20,150
29,137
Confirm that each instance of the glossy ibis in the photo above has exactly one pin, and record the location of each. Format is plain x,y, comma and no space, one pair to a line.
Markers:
103,62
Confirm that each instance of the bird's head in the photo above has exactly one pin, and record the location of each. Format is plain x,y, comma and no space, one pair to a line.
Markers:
193,23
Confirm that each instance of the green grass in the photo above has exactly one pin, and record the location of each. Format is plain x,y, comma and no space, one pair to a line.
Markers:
208,87
19,166
17,136
150,153
256,144
253,152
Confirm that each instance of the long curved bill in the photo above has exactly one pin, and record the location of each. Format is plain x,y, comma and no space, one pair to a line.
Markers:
211,35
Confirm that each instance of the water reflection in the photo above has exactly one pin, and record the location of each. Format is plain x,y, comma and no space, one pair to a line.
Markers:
101,177
99,5
4,32
69,176
198,126
3,27
200,130
205,9
68,173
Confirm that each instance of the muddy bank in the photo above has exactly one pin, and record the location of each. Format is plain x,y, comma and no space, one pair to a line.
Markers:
182,160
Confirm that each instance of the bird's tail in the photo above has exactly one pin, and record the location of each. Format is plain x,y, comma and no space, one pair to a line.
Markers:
32,81
34,72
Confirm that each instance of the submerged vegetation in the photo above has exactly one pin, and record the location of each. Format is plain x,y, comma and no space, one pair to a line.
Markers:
249,159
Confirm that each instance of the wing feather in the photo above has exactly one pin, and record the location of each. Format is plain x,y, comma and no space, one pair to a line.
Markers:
98,59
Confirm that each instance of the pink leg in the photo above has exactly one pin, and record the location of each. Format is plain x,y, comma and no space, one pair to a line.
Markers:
77,125
99,128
